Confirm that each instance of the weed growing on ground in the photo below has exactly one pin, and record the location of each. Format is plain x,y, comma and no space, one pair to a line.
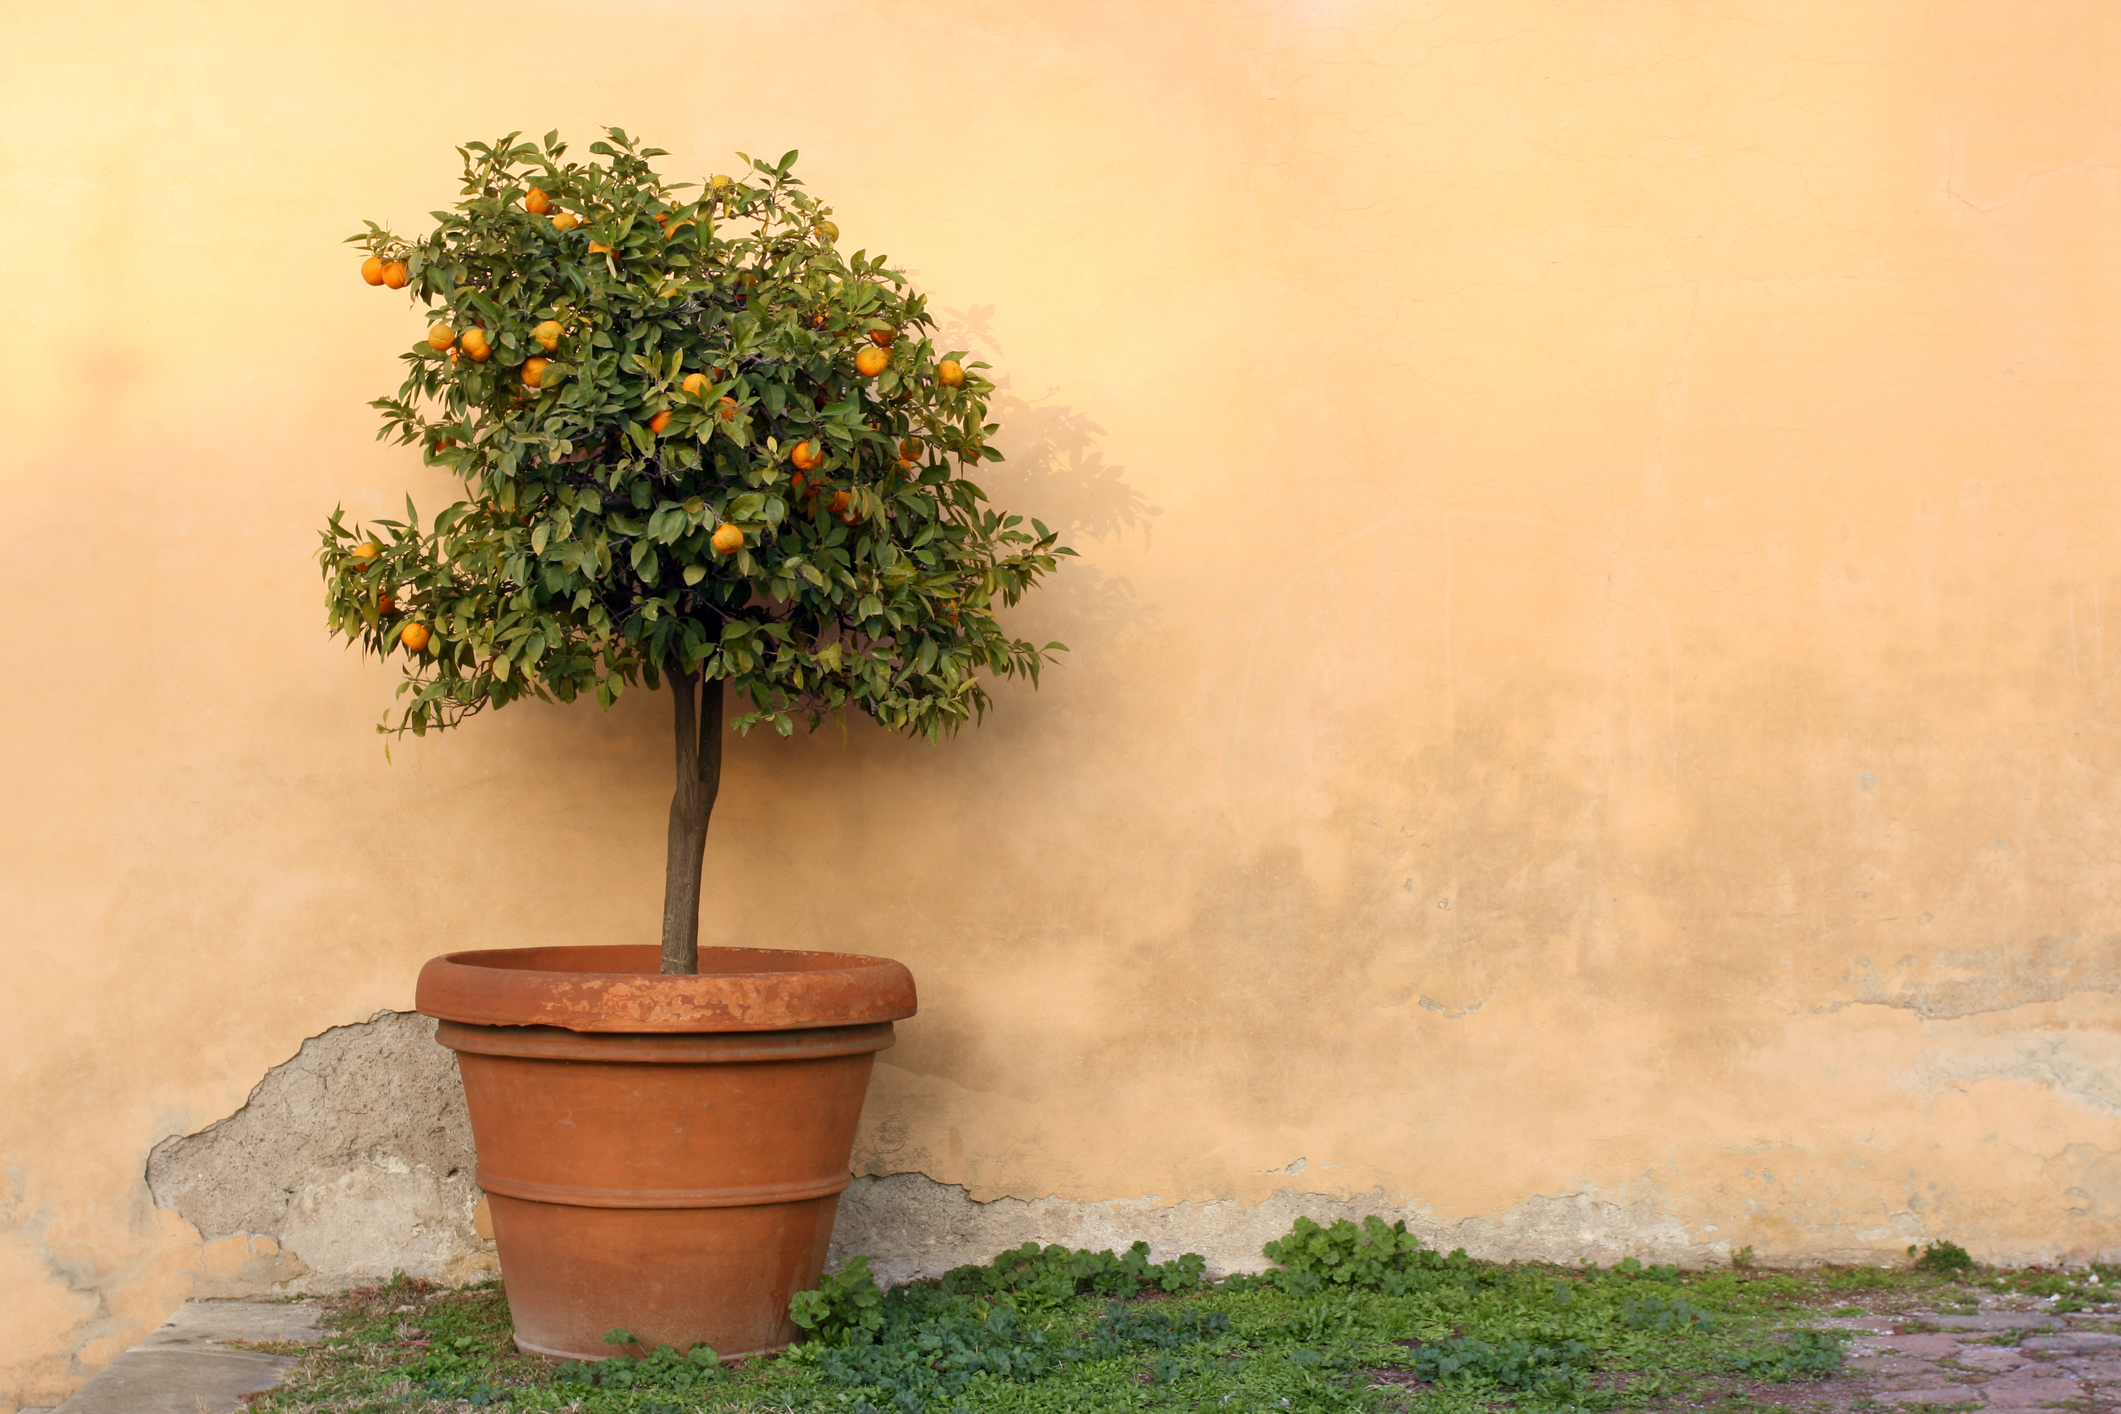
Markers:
1350,1318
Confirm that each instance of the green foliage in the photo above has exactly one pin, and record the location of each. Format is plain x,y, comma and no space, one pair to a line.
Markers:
1510,1364
582,558
1943,1258
1372,1257
1038,1278
847,1305
1655,1313
1804,1354
1032,1333
661,1368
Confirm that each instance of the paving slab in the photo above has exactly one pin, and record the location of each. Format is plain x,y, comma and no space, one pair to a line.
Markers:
1992,1321
2073,1343
1946,1395
194,1362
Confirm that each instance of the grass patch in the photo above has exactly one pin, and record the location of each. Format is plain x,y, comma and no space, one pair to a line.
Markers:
1353,1319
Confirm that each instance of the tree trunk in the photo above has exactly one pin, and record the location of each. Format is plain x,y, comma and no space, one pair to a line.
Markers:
699,730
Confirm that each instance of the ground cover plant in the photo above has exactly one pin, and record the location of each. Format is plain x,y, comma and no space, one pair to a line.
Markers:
1348,1318
699,445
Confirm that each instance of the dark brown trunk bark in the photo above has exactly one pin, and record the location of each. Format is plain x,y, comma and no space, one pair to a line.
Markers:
699,733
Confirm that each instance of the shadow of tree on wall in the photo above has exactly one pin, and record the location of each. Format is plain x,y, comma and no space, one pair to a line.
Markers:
1056,470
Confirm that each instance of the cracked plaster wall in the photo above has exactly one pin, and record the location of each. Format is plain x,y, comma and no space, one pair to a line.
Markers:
1587,719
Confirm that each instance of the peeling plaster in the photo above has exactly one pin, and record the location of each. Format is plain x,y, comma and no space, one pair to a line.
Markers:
1957,982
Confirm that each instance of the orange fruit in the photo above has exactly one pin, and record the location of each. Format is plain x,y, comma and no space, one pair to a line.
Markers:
414,636
386,605
372,270
727,539
394,274
599,248
872,361
904,465
474,343
660,421
547,335
950,373
534,372
536,202
695,384
806,456
827,232
660,219
839,501
799,485
729,409
563,223
883,338
441,337
366,551
911,448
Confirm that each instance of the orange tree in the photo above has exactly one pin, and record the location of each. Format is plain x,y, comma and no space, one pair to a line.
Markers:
699,446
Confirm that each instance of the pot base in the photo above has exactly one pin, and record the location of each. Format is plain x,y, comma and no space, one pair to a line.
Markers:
676,1277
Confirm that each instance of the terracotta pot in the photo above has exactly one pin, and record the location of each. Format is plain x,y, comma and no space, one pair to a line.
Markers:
663,1154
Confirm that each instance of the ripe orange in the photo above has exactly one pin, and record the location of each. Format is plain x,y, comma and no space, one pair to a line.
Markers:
599,248
950,373
904,465
414,636
660,421
839,501
534,372
473,341
872,361
827,231
729,409
883,338
372,270
386,605
536,202
806,456
563,223
911,448
727,539
695,384
394,274
799,485
441,337
547,335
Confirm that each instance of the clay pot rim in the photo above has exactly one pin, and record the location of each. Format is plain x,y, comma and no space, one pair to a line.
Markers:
618,989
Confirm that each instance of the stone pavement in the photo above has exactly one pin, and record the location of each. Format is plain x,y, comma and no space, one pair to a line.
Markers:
199,1360
1997,1359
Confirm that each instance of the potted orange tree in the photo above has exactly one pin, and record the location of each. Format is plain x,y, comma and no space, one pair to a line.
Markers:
702,450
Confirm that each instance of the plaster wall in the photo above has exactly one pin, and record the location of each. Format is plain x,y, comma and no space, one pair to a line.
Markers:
1588,688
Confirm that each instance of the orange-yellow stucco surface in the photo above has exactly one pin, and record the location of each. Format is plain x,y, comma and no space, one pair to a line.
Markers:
1589,669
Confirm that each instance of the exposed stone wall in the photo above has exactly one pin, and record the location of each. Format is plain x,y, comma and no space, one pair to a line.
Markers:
355,1156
